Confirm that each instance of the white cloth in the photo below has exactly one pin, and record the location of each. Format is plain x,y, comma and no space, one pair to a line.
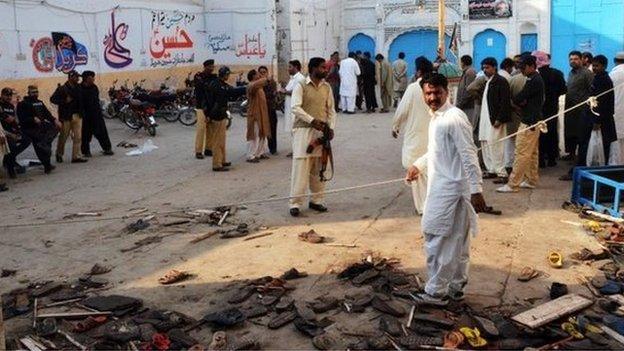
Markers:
349,71
493,152
485,125
306,174
347,103
452,169
510,152
504,74
258,146
448,257
617,76
413,113
288,117
419,193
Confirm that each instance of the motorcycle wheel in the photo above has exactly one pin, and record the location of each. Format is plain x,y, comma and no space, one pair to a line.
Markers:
151,130
169,112
132,120
229,122
188,117
109,111
243,112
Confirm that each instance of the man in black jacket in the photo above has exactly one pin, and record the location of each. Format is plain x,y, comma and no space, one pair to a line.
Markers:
220,92
369,81
530,100
495,113
16,140
68,98
93,122
202,81
555,86
38,124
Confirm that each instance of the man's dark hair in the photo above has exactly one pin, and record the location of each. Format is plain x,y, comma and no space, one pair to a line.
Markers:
7,92
466,60
224,71
517,56
490,61
588,55
296,64
335,53
263,67
251,74
72,73
436,80
351,54
601,59
401,55
367,55
575,53
86,74
208,62
507,63
358,52
525,53
528,60
423,65
315,62
379,57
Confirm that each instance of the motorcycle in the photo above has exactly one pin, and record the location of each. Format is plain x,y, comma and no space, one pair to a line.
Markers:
117,99
163,100
140,114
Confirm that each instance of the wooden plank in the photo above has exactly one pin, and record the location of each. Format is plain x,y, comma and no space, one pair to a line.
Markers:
72,315
612,333
205,236
552,310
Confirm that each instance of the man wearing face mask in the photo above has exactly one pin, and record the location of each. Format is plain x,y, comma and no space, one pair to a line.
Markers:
315,116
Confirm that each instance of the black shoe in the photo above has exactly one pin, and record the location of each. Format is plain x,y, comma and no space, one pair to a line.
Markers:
3,187
199,156
294,212
48,169
317,207
11,172
59,159
274,153
79,160
253,160
87,154
221,169
227,164
108,152
207,152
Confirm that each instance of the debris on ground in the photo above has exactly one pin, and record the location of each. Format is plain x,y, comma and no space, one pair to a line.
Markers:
174,276
7,273
136,226
126,144
311,237
82,214
99,269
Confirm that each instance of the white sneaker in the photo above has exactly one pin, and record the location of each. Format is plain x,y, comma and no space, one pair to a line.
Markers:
526,185
506,189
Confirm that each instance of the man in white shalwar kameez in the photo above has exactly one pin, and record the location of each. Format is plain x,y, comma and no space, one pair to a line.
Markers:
453,197
349,71
296,77
617,76
413,113
313,109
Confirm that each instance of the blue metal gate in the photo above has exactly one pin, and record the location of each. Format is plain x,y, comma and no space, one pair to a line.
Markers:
594,26
489,43
528,42
414,44
363,43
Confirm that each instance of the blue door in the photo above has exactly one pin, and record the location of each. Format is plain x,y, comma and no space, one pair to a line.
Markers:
362,42
414,44
489,43
528,42
598,28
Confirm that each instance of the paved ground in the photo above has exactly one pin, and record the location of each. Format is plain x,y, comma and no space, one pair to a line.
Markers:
170,178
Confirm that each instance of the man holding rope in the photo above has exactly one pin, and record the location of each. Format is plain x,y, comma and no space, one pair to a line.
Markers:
454,194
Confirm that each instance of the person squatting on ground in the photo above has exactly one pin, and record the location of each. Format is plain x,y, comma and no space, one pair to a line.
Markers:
68,98
454,195
203,132
258,124
38,124
413,114
315,119
93,122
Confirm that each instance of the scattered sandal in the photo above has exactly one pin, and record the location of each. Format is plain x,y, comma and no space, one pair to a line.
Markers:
527,274
311,237
555,259
473,336
453,339
571,329
173,276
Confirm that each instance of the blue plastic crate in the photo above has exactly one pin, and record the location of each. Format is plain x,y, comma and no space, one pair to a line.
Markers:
600,188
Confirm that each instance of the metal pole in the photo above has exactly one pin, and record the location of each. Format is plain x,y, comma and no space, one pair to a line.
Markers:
441,21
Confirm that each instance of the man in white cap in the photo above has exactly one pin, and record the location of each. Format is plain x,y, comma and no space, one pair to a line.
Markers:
617,76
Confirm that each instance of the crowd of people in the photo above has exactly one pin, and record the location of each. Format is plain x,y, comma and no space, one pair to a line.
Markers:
28,121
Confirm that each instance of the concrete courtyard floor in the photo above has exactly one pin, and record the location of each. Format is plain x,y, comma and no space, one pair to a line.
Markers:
375,220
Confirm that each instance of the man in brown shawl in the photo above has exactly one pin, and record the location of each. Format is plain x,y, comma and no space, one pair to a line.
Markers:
258,125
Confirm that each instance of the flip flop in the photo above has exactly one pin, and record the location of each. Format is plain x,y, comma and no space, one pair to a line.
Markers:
571,329
527,273
453,339
219,341
173,276
555,259
473,336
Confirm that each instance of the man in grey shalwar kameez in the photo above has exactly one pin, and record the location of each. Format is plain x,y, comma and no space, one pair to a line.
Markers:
454,182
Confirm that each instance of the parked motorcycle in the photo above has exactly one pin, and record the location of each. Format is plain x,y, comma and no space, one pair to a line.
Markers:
140,114
163,100
117,99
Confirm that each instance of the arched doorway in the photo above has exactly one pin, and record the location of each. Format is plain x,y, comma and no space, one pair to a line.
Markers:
363,43
414,44
489,43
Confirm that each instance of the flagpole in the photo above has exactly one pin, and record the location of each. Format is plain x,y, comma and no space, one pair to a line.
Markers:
441,21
